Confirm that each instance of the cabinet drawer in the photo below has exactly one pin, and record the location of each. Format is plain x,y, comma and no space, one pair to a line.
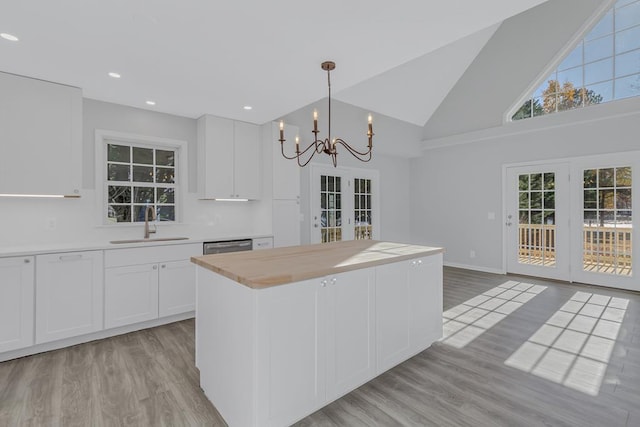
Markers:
150,255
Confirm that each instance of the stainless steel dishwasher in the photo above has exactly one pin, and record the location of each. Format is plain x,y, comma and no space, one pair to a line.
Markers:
224,246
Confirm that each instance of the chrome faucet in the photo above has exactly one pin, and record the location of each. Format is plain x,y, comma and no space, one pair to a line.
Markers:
147,231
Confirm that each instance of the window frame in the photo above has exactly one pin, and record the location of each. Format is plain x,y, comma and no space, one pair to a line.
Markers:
105,137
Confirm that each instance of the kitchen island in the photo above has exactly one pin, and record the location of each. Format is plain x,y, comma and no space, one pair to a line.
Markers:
281,333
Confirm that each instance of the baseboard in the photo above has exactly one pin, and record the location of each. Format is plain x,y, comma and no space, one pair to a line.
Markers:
474,268
68,342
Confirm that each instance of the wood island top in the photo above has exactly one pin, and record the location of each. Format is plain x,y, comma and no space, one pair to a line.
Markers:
272,267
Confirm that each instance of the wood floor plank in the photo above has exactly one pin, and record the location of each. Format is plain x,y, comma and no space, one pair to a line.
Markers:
149,378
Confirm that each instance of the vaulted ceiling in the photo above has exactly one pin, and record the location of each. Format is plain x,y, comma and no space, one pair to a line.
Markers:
214,57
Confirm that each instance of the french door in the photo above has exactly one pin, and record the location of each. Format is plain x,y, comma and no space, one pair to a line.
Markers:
344,204
574,221
537,220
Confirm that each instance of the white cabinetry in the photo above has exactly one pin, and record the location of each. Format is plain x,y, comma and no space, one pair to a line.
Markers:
228,159
146,283
16,303
40,136
286,189
68,295
262,243
408,308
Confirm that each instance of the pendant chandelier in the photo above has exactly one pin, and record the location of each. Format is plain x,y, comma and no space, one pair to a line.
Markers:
327,145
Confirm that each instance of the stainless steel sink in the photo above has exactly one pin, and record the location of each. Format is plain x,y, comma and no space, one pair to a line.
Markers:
157,239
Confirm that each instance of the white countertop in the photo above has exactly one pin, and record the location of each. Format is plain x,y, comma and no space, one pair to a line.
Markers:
48,248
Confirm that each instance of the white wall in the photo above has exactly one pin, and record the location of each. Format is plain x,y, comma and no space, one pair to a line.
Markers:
459,179
391,136
29,221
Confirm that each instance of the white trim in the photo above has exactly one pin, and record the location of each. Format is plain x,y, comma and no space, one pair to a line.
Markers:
474,268
180,146
558,58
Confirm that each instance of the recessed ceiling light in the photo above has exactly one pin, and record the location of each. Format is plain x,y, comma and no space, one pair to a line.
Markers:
151,102
9,37
248,107
114,75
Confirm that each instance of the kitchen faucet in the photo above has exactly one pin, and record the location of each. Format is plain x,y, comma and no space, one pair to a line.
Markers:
147,232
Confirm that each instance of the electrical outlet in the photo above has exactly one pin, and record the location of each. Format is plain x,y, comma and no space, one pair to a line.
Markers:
472,254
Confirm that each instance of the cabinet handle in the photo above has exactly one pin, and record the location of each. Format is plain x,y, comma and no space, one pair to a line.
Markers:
323,283
164,266
155,267
333,281
419,261
413,263
70,257
27,260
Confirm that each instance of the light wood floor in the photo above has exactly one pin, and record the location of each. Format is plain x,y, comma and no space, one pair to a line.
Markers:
148,378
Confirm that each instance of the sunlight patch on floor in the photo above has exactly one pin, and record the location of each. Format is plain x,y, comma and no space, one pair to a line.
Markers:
467,321
574,346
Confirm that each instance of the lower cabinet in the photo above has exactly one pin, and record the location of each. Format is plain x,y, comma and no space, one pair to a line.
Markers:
317,339
408,308
146,283
130,295
68,295
16,302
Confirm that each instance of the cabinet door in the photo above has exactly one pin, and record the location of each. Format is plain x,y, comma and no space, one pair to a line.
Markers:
286,223
425,304
286,173
247,155
40,130
393,297
290,351
215,157
131,294
68,295
351,331
16,303
176,288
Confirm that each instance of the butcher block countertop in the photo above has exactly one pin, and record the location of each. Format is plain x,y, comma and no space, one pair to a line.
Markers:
272,267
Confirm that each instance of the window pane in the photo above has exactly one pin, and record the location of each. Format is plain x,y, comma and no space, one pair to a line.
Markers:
572,75
143,174
549,200
623,198
523,217
627,16
536,181
628,86
598,71
117,172
550,217
165,158
590,178
165,175
118,153
143,195
166,213
602,28
536,200
524,200
166,195
549,181
598,49
119,194
606,199
629,63
120,213
143,155
138,213
523,182
605,177
536,217
572,60
628,40
590,199
598,93
623,177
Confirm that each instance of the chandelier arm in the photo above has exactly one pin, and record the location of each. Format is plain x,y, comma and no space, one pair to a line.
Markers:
283,154
351,149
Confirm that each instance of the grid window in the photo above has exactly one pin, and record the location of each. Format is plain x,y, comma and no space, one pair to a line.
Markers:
138,177
537,219
607,220
331,208
604,66
362,208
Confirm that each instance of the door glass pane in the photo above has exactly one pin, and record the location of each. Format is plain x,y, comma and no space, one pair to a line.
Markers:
607,228
330,208
537,227
362,208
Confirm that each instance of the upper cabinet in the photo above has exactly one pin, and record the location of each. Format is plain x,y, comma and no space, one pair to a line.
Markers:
228,159
40,137
286,173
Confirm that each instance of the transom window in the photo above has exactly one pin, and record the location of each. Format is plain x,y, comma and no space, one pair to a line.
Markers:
139,176
603,67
